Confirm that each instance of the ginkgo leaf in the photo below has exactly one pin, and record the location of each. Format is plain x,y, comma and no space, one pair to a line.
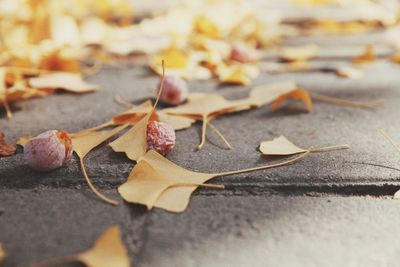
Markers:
281,146
2,253
297,94
108,250
366,57
349,72
157,182
299,53
68,81
84,142
134,142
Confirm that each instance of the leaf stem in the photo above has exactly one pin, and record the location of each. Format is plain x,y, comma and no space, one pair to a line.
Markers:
287,162
100,195
219,134
122,102
344,102
328,148
203,132
388,138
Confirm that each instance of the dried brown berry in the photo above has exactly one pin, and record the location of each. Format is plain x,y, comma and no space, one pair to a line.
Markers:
160,137
175,91
48,151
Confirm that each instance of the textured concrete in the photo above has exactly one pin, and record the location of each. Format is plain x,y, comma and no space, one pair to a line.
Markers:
328,210
238,230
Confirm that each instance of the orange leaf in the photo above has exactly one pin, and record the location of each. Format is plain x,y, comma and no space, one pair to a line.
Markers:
297,94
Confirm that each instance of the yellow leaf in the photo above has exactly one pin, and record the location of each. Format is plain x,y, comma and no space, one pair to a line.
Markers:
2,253
134,142
205,26
55,61
173,58
266,93
67,81
366,57
299,53
349,72
297,94
107,251
157,182
234,74
281,146
84,142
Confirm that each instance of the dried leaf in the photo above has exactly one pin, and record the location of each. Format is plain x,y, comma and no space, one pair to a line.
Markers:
299,53
6,150
70,82
281,146
108,250
349,72
157,182
368,56
297,94
2,253
84,142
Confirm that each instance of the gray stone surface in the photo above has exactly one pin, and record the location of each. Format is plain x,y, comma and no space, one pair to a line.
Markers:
328,210
217,230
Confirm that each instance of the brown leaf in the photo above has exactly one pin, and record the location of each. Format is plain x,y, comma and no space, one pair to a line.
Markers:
70,82
157,182
6,150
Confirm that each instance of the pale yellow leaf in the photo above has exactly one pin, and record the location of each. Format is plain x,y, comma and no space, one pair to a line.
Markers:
62,80
299,53
280,146
107,251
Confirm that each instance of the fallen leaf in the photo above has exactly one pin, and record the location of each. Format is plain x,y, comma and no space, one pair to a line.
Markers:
6,150
281,146
84,142
2,253
108,250
366,57
70,82
349,72
298,53
297,94
55,61
157,182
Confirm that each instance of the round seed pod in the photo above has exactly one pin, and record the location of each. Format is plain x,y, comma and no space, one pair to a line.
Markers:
242,53
48,151
160,137
175,91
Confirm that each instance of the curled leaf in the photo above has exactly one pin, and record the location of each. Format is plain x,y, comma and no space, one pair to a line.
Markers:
297,94
366,57
6,149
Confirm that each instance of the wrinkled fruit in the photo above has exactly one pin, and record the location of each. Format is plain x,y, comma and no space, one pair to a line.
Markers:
48,151
160,137
175,91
